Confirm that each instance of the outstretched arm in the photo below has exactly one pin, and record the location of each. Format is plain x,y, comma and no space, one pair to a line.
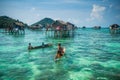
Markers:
63,50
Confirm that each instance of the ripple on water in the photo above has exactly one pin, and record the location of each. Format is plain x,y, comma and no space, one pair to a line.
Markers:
104,73
92,55
17,74
53,75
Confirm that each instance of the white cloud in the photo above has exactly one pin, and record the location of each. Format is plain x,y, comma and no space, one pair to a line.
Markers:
97,13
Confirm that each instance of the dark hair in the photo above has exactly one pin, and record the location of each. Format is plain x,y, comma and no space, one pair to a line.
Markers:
29,43
59,44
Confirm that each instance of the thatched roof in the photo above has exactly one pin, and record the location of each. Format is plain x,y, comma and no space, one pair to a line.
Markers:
19,23
70,23
59,23
70,26
114,26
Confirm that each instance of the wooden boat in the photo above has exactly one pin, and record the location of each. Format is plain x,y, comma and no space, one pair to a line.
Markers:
41,46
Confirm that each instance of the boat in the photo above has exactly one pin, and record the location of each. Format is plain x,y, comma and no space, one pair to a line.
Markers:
41,46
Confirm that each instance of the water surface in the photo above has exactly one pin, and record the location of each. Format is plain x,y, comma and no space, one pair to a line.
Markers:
90,55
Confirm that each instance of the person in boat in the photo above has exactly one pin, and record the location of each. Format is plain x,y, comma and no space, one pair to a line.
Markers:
30,46
60,52
46,45
43,44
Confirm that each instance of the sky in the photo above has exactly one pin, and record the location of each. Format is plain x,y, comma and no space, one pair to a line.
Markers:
87,13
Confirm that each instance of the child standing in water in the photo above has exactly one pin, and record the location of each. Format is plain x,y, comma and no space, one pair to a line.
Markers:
30,46
60,51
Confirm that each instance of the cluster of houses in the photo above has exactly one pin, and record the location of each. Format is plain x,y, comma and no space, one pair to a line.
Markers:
114,28
61,28
57,25
58,28
15,28
36,27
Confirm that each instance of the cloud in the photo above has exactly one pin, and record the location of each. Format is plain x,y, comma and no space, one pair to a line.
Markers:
97,13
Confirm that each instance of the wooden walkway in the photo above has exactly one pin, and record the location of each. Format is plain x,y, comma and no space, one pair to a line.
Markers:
13,32
60,34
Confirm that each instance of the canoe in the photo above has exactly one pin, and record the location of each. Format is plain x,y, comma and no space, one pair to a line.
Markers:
42,46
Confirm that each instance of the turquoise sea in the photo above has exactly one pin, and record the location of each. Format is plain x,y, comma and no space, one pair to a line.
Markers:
90,55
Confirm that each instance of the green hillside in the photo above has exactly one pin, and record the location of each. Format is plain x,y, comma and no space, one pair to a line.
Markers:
44,22
6,21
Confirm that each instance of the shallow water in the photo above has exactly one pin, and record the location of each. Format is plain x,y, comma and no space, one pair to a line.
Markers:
90,55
